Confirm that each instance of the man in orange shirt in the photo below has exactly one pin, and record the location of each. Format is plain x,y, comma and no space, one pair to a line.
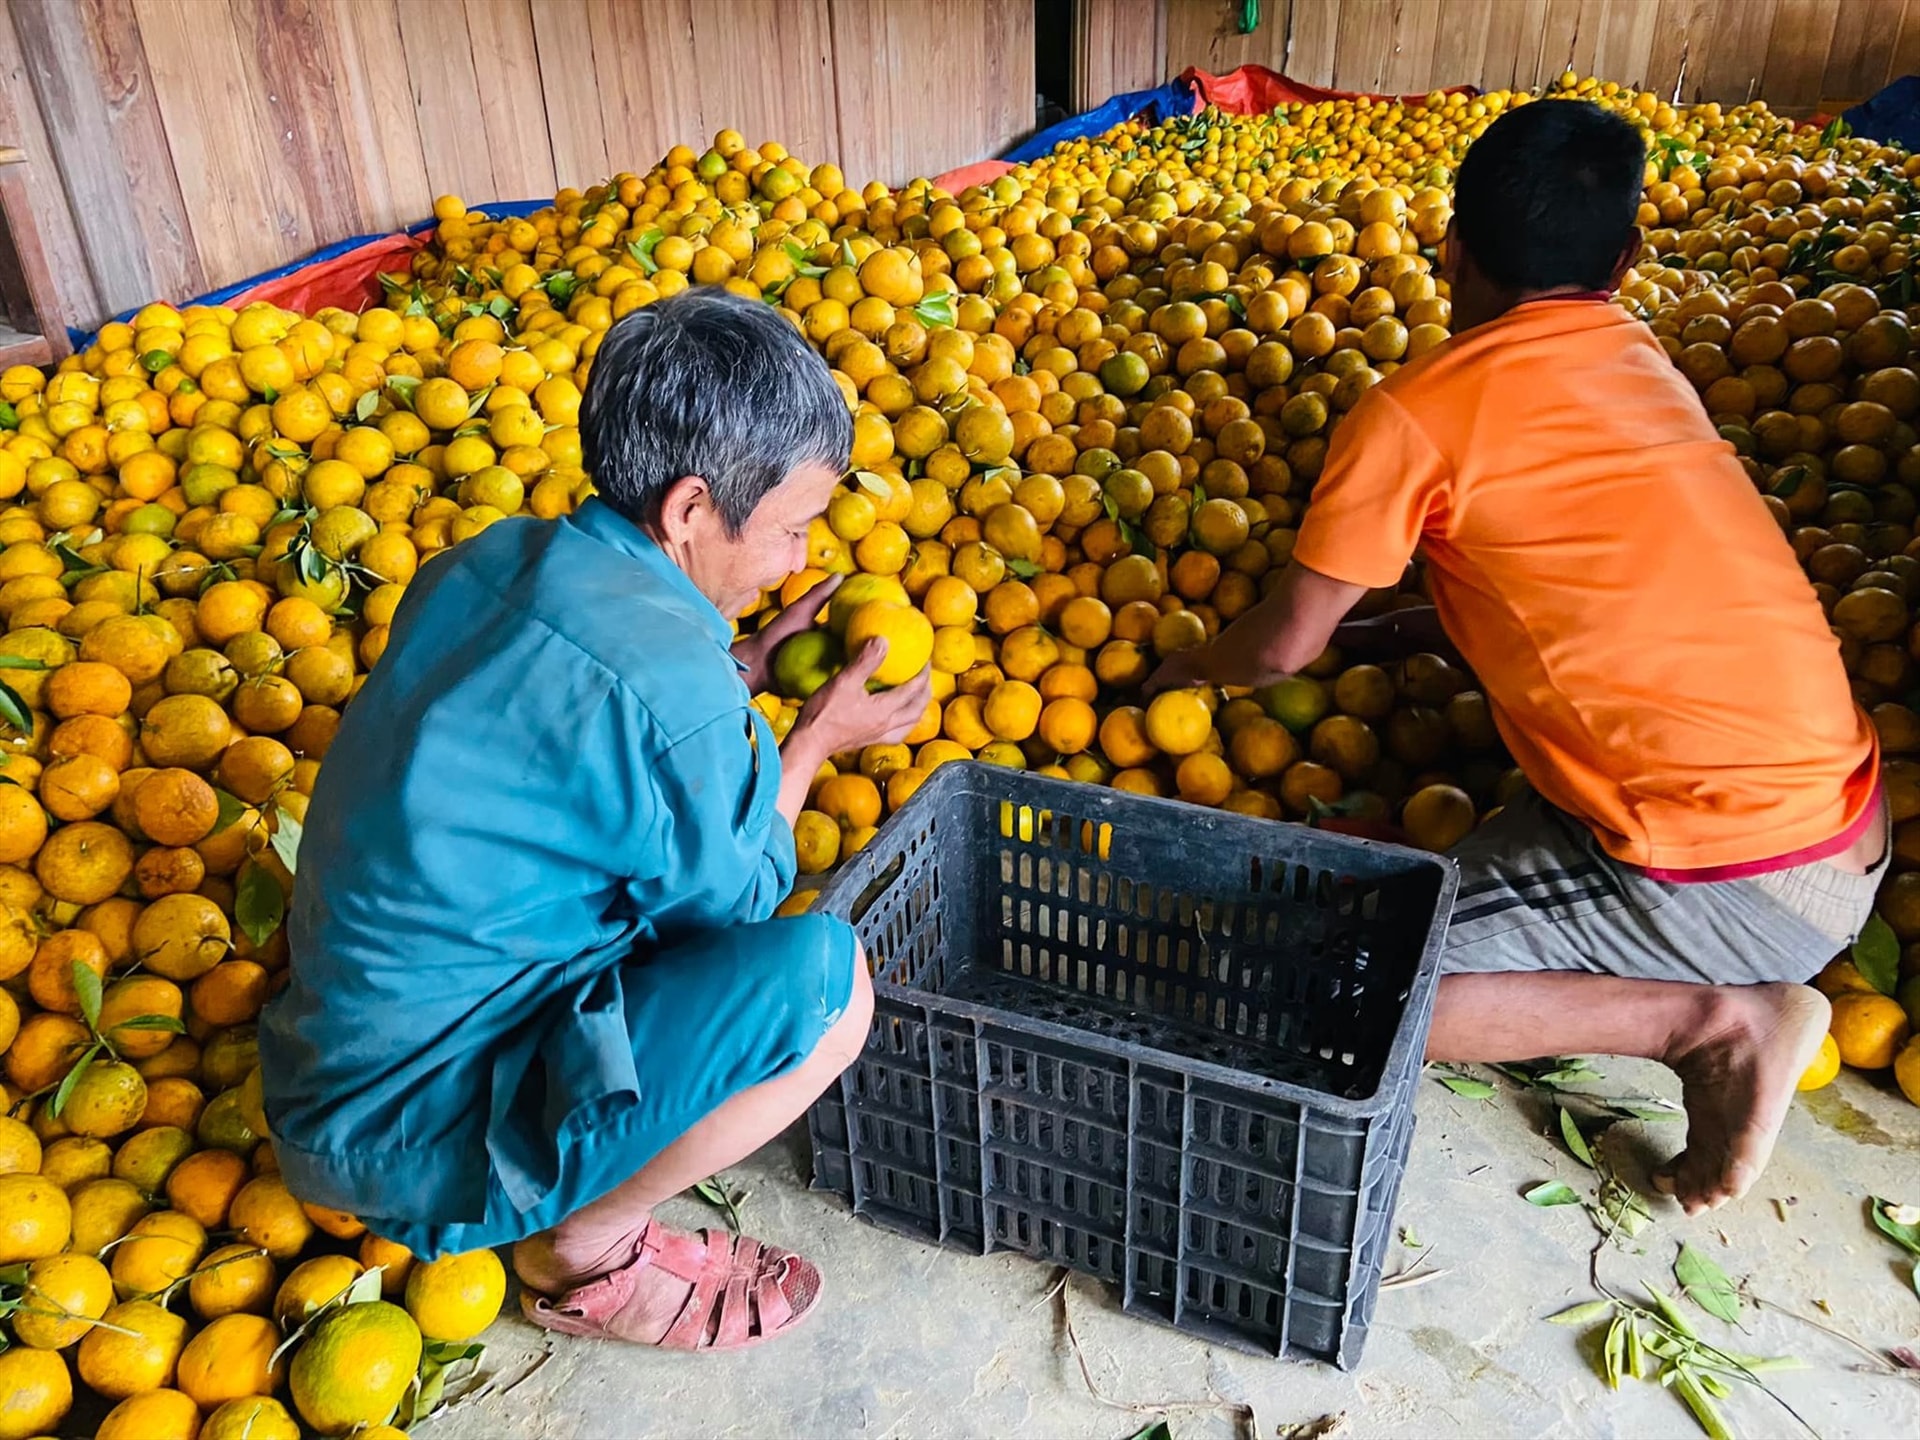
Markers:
1704,827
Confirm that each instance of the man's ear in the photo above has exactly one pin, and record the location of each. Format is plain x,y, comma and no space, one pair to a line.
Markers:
1447,254
1629,252
687,502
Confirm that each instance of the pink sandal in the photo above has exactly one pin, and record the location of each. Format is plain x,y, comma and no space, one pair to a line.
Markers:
741,1293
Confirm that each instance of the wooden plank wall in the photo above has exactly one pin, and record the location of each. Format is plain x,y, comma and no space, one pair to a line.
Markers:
1800,55
179,145
1118,46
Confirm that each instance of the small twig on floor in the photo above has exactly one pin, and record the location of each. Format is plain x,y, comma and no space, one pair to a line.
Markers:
496,1386
1407,1279
1238,1410
1881,1365
1411,1275
1058,1285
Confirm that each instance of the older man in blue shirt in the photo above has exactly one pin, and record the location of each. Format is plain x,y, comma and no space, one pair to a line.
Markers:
536,988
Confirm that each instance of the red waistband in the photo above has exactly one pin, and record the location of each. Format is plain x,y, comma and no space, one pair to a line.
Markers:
1807,855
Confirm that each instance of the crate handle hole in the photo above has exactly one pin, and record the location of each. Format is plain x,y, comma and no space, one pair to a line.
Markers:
875,888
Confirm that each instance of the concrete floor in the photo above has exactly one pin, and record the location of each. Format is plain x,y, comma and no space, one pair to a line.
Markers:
918,1342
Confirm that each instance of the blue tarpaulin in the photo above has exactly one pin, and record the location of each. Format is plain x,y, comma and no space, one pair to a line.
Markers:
1892,116
1173,98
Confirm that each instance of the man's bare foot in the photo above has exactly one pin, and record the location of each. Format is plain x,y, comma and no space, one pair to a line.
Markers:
1737,1075
540,1265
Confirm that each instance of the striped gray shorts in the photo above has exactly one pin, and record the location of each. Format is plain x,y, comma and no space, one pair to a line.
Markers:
1538,893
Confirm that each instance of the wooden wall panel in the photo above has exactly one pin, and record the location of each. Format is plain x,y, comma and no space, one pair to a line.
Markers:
896,121
513,112
562,32
369,67
92,81
1121,46
177,145
289,87
446,96
60,239
1826,52
739,48
1624,40
1205,33
646,75
241,207
1312,27
1906,43
1797,52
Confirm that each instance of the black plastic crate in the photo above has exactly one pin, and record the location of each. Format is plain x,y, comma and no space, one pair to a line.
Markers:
1171,1047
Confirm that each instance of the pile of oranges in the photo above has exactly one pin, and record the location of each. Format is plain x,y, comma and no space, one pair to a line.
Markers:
1090,402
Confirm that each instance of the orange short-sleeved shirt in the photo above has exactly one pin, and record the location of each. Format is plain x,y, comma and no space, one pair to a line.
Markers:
1651,652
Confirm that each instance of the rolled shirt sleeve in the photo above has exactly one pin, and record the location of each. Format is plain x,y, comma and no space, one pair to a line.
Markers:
1385,485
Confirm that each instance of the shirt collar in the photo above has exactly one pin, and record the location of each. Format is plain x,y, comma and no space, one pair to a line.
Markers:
607,525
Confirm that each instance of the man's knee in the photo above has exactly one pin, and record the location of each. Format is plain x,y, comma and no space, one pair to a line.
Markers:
847,1034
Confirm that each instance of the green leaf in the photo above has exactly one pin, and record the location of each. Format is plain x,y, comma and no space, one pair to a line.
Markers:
86,986
232,807
1576,1142
1583,1313
1877,955
1636,1355
1787,482
365,1288
425,1394
258,905
1900,1230
1138,541
1651,1109
150,1022
366,405
1468,1088
1624,1208
452,1352
1024,569
714,1193
286,838
61,1095
1687,1386
642,249
1155,1430
1706,1284
22,662
1613,1351
561,285
14,710
1672,1313
1552,1192
873,484
935,309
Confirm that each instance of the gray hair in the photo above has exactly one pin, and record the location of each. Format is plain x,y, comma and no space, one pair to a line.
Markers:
712,384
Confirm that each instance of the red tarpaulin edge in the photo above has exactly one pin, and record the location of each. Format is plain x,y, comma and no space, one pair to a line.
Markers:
1254,90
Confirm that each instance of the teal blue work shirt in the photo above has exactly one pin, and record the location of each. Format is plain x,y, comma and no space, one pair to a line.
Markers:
555,768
